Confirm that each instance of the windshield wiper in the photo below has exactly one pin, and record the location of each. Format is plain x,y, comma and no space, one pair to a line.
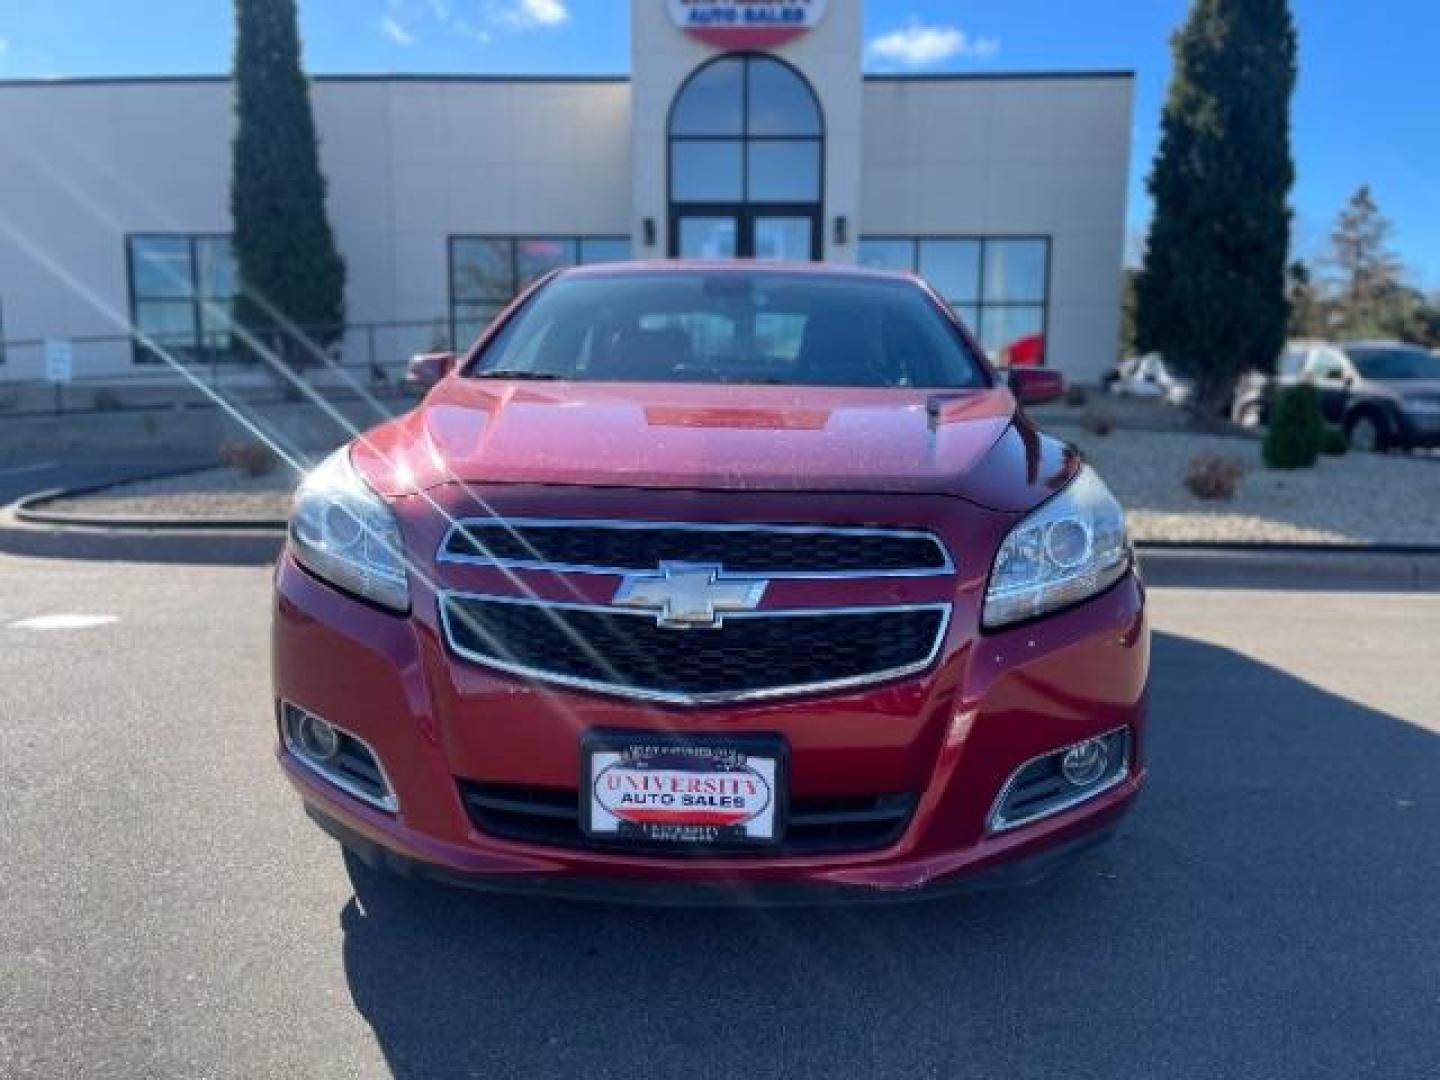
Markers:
516,373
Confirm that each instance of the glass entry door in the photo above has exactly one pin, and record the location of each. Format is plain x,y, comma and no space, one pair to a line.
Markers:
774,233
783,237
707,236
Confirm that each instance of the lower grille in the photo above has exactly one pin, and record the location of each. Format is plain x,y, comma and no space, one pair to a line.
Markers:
551,817
752,655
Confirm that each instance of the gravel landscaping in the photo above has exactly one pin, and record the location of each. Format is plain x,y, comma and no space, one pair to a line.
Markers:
1354,499
1128,413
215,493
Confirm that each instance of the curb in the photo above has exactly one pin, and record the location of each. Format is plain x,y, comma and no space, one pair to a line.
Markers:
1320,568
26,510
25,529
1235,547
258,544
201,544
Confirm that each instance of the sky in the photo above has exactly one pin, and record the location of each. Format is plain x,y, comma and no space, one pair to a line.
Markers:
1367,109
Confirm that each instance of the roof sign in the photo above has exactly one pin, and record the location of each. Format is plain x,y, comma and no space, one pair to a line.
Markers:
746,24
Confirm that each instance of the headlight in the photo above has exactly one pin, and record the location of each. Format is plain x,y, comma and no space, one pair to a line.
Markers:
1071,548
343,532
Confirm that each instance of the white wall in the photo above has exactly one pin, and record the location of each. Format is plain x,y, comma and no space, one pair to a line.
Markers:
81,165
409,163
997,156
509,158
412,161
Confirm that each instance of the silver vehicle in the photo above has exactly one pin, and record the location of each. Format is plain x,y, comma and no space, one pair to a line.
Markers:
1148,377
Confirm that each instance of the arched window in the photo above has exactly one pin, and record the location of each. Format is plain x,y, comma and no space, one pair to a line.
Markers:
746,161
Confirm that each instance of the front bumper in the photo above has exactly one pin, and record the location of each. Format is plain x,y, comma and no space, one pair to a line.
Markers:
951,736
1419,431
1016,873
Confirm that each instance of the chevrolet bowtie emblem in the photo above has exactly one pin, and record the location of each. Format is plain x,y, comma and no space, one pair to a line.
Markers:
686,595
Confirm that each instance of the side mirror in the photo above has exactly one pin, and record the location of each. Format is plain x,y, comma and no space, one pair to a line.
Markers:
1036,386
426,369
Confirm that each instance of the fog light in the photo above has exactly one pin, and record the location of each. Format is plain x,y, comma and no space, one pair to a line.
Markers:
1086,763
337,755
317,738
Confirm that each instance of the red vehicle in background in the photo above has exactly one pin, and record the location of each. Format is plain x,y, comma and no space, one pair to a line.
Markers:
706,581
1028,351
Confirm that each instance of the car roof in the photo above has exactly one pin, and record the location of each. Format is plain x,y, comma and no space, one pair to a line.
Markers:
752,266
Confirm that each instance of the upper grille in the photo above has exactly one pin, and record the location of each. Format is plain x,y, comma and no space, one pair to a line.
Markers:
751,655
776,551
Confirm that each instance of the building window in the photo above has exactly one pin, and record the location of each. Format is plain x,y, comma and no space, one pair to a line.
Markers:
486,272
746,152
182,293
999,286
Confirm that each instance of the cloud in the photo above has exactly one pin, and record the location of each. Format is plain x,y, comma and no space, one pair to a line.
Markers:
531,14
404,22
4,44
396,31
918,45
465,28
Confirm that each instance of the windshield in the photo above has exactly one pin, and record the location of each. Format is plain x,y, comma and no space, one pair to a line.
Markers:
734,327
1395,363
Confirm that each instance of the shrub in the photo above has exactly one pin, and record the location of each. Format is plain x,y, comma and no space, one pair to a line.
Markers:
1211,476
1098,424
1076,397
1297,429
1333,442
249,459
106,400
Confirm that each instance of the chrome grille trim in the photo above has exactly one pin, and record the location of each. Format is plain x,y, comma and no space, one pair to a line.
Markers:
444,555
676,698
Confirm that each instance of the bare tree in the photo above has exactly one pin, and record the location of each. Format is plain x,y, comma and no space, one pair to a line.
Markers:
1367,270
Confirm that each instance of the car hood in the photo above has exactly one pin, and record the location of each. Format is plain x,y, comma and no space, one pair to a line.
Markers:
751,438
1405,388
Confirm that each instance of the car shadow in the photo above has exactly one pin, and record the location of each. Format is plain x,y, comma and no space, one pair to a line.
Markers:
1268,910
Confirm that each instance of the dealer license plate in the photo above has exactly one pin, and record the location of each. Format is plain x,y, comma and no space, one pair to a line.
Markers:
662,789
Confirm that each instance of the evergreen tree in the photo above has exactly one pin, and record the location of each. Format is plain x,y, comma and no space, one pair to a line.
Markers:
1211,294
289,268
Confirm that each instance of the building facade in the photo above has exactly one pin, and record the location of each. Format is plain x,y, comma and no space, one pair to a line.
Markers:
744,129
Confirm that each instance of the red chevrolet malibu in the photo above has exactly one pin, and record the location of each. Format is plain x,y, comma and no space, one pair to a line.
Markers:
706,581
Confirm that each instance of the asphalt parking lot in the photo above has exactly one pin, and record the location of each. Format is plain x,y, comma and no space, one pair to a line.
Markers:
167,911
